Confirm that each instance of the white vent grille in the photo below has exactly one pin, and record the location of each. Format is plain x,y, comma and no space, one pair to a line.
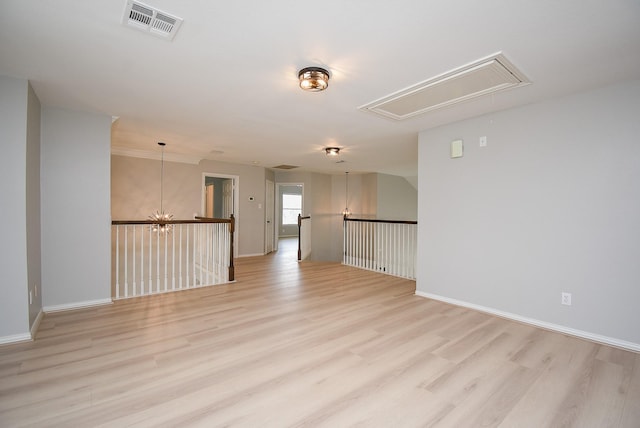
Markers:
146,18
482,77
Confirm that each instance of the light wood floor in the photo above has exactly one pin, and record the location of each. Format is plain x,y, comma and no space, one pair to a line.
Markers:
310,344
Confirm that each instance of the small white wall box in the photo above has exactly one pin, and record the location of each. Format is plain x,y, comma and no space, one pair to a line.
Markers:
457,148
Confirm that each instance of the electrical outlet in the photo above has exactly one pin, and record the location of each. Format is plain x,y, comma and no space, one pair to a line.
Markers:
30,297
566,298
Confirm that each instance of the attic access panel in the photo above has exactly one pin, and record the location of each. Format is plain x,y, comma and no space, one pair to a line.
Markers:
483,77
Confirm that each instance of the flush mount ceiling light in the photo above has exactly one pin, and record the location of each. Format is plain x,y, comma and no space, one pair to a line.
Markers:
332,151
313,79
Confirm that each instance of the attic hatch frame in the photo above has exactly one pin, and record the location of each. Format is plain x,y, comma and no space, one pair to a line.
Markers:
483,77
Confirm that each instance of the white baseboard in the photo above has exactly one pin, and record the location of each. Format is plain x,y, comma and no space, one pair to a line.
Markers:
24,337
36,324
15,338
77,305
250,255
542,324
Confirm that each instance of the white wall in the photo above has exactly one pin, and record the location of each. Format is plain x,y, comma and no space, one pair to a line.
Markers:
318,204
75,203
250,219
552,204
34,241
14,311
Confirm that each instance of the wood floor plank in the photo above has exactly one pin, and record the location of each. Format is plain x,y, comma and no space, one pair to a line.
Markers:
631,411
309,344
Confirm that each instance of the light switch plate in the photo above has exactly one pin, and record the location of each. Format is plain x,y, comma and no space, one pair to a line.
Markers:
457,149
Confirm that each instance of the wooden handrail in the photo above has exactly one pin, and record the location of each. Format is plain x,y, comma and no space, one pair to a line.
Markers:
198,220
163,222
380,221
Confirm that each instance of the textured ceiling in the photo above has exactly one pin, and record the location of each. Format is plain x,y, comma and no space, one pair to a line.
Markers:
226,87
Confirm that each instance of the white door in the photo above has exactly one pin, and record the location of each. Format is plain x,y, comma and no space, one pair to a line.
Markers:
269,210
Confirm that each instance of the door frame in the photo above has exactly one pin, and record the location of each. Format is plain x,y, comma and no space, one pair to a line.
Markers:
278,206
270,186
236,201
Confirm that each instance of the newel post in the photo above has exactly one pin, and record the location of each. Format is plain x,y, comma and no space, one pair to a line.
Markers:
299,229
232,227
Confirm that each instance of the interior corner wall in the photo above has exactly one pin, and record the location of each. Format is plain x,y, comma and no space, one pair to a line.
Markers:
369,195
14,311
550,205
397,199
75,204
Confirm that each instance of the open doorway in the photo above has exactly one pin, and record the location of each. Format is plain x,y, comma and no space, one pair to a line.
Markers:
220,199
289,203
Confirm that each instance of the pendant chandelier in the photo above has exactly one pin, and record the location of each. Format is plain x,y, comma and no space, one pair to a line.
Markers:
346,212
160,216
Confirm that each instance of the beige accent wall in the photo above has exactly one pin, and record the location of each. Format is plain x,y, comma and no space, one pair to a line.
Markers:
135,194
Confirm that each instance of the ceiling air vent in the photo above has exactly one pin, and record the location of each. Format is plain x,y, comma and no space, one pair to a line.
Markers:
146,18
482,77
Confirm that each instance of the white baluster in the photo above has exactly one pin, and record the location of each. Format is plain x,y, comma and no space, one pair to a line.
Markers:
196,238
126,276
117,261
166,275
173,258
200,254
133,260
180,261
142,260
207,254
150,258
187,265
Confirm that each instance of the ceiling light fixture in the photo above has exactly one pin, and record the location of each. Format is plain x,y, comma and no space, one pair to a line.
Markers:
313,79
332,151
